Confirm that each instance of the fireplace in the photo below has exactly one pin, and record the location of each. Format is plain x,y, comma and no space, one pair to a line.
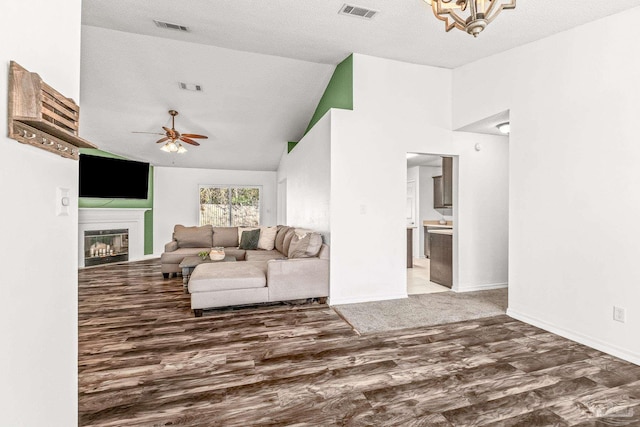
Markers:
105,246
110,221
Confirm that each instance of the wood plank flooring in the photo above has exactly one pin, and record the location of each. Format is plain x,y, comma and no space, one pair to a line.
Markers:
144,360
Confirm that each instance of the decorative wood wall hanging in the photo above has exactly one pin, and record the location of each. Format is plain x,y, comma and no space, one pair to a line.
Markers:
41,116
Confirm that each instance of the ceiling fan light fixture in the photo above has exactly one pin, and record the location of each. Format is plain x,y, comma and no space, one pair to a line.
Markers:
165,148
471,16
172,146
181,149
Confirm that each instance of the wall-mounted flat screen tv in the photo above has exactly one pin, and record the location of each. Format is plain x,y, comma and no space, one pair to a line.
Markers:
108,178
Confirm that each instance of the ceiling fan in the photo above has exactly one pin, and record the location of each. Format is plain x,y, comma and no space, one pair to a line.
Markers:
172,137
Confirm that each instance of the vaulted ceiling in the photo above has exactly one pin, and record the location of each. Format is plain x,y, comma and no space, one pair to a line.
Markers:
263,65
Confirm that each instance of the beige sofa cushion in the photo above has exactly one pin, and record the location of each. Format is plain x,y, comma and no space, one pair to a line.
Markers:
193,237
287,240
305,245
267,238
279,243
262,255
225,236
227,275
239,254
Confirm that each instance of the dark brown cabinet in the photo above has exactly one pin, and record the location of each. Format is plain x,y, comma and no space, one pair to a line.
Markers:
441,260
443,185
427,229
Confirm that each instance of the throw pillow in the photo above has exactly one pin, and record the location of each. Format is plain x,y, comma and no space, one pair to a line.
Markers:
242,229
287,240
267,238
282,231
305,245
249,239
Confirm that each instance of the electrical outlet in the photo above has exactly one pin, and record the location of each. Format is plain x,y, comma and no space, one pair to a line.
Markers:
619,314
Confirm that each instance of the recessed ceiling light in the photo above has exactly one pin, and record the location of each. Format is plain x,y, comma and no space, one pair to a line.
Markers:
504,128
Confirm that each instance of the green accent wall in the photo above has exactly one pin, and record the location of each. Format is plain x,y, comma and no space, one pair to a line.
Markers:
90,202
338,94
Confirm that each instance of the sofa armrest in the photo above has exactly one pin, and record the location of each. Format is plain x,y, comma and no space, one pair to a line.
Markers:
171,246
297,278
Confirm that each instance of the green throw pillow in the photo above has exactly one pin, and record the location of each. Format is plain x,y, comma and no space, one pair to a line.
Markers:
250,239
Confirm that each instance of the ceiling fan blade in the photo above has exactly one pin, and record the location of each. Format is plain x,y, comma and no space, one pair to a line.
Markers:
188,140
152,133
193,135
162,139
166,129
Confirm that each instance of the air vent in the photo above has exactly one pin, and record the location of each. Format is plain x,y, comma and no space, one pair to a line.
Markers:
191,86
357,11
170,26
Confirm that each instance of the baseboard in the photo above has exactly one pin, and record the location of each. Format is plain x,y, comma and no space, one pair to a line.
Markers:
485,287
577,337
371,298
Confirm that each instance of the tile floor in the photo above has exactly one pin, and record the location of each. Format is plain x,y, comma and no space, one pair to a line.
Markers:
418,279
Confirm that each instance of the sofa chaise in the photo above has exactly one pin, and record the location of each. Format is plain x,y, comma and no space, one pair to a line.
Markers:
288,264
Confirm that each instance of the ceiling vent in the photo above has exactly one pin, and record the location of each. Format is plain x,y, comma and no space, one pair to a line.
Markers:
190,86
170,26
357,11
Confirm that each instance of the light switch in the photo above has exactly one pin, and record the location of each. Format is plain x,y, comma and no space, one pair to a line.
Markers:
62,201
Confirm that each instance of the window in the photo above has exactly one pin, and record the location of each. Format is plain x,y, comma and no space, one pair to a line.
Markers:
229,206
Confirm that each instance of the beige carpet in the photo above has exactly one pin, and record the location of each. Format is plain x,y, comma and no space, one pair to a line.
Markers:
423,310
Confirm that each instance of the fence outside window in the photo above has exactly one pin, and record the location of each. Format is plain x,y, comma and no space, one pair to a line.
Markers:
229,206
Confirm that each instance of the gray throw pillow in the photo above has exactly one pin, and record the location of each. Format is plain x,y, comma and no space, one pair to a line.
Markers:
250,239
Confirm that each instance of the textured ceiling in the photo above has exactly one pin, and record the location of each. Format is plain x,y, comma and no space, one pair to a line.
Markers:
264,65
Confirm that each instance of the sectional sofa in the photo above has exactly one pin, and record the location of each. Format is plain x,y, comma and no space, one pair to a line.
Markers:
287,263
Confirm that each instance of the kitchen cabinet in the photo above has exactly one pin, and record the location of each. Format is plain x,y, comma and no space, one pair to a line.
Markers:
443,185
447,181
427,229
441,261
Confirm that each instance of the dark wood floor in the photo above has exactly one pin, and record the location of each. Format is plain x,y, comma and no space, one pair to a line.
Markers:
144,360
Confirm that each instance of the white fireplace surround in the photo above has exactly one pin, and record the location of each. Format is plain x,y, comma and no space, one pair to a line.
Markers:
106,219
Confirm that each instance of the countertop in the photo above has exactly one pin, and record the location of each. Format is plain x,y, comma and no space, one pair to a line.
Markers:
426,223
449,231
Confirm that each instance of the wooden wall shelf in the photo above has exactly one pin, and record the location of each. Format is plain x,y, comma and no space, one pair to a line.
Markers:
41,116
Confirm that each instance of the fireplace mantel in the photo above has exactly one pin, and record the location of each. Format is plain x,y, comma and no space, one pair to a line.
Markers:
102,219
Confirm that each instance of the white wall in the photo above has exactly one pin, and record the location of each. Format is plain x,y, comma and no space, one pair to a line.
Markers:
176,198
38,361
574,156
482,211
307,170
397,109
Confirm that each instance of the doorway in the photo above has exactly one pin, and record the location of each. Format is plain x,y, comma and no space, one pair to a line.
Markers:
424,175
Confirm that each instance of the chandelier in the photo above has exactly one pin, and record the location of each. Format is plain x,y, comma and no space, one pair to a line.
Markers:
471,16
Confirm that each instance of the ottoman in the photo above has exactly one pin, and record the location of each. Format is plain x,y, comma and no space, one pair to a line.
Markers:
227,283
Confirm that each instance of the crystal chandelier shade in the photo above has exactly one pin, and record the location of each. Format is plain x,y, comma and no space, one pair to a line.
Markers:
471,16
